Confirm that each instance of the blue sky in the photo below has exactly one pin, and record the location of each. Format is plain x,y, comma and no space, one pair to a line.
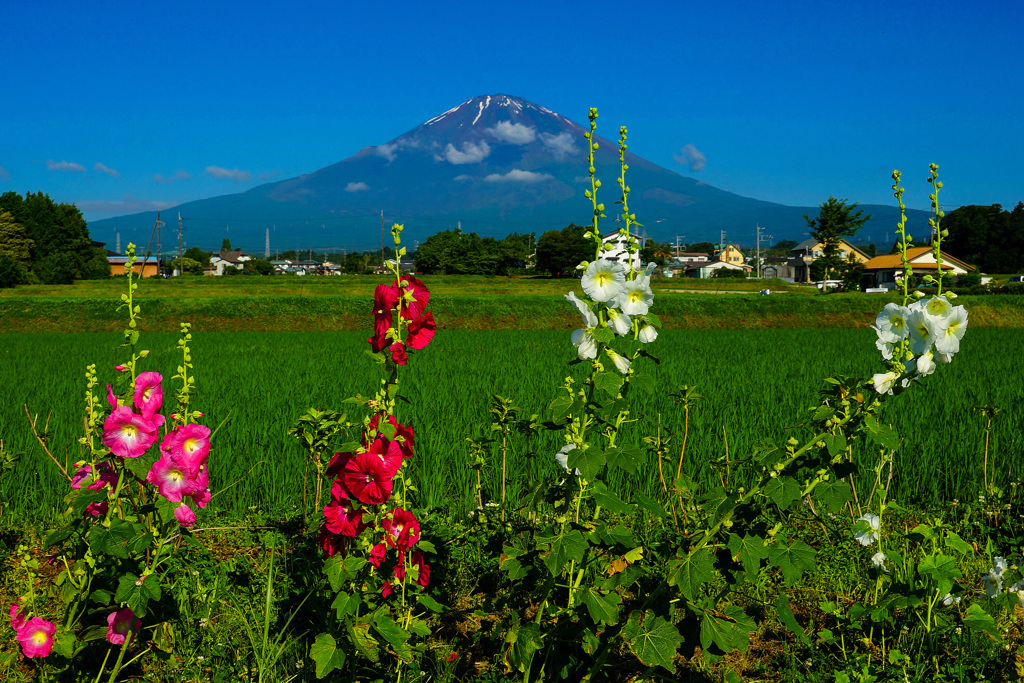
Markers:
121,107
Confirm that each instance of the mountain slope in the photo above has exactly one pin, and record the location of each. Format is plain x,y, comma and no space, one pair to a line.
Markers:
496,164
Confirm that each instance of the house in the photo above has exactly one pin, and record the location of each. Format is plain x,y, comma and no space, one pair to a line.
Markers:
147,267
700,269
619,251
229,259
886,271
690,257
810,250
731,254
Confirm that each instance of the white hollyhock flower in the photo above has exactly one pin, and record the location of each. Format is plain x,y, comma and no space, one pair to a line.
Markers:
603,280
589,318
868,537
938,307
884,381
1018,588
892,321
885,347
648,333
621,362
949,600
644,277
922,331
619,322
948,336
925,363
635,298
878,560
586,345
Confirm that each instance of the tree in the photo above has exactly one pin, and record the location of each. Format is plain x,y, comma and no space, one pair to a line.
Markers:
653,252
12,272
988,237
260,266
836,220
58,232
198,255
187,266
14,240
701,248
560,251
225,244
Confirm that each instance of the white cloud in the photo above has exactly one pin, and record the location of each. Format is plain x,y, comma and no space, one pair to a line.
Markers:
472,153
231,174
513,133
690,156
65,166
460,178
4,175
103,168
127,205
357,187
517,176
267,175
387,151
561,145
178,175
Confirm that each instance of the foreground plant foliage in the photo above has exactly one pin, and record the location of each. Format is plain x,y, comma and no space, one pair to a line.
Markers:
574,580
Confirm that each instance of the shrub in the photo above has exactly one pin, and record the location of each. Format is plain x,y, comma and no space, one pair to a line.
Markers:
12,273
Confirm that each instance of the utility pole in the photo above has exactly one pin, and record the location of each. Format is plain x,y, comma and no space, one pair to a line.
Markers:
266,247
179,238
159,224
760,237
382,264
721,246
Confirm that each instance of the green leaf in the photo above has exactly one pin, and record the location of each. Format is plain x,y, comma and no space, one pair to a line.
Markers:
651,505
101,596
729,632
359,634
954,542
643,382
980,621
341,570
84,499
430,603
561,549
652,639
112,540
561,407
749,550
397,637
835,443
788,620
523,641
616,535
609,500
420,628
783,491
603,608
942,569
64,644
326,654
345,604
588,461
626,457
793,560
426,546
61,534
603,334
608,382
141,465
137,592
831,495
691,572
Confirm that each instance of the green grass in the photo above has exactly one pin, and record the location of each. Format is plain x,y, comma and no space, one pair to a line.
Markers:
757,384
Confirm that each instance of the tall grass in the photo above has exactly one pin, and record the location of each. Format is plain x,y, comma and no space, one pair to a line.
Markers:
757,385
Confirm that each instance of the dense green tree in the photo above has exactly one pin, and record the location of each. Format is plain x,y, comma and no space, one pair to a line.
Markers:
260,266
187,266
59,235
655,252
702,248
560,251
836,220
988,237
14,239
12,272
225,244
198,255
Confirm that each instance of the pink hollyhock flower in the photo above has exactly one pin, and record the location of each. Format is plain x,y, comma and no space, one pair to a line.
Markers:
332,544
120,368
202,495
189,445
389,452
129,435
413,307
96,509
186,518
421,331
173,478
149,394
36,637
424,569
111,399
398,354
344,515
377,553
17,619
120,624
107,477
368,478
401,530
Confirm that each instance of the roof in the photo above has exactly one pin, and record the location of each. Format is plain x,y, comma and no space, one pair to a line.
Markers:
809,244
615,233
886,261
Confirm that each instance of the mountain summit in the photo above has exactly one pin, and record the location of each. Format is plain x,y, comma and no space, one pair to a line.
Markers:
494,164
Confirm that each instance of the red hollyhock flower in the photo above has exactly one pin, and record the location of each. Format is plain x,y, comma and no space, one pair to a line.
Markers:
421,331
387,589
331,544
424,569
377,554
389,452
368,478
414,306
398,354
337,463
384,300
344,516
403,434
401,530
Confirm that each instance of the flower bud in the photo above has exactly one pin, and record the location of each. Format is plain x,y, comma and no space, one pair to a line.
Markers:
120,368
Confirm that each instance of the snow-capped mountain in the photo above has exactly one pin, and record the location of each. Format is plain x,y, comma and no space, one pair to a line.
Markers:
495,164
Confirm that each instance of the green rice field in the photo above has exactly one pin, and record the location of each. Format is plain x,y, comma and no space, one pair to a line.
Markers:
757,385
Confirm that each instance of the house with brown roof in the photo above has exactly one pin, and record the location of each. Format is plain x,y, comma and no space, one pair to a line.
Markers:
886,271
810,250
